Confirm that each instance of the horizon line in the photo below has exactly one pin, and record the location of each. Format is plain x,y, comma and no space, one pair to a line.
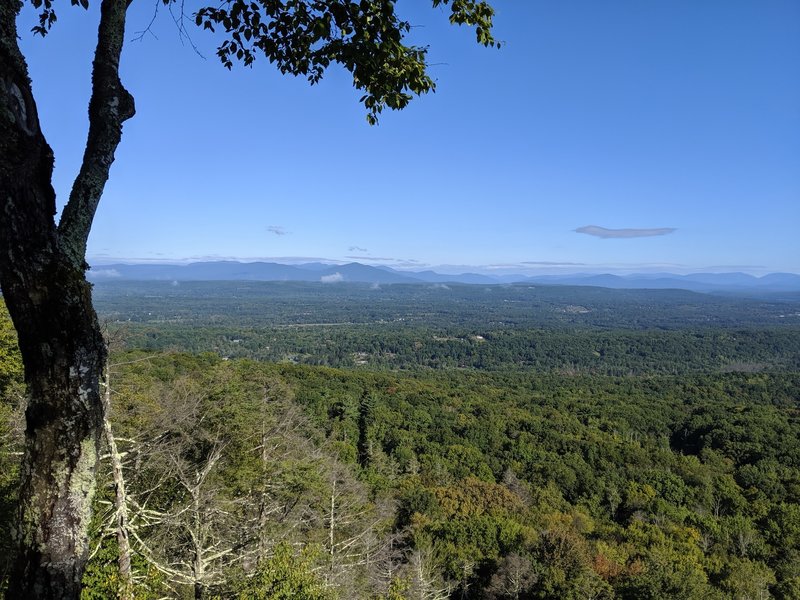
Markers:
510,268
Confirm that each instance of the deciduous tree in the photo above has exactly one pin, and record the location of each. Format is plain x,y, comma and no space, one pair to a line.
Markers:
42,262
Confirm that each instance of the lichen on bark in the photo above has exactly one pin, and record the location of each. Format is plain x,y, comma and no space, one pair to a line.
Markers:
42,273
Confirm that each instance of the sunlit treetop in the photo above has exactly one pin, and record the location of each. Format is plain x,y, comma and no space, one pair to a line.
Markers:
304,37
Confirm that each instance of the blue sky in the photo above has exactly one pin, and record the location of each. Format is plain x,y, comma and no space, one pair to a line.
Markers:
604,135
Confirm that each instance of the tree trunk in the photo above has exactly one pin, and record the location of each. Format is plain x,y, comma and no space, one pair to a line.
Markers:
62,349
49,300
64,420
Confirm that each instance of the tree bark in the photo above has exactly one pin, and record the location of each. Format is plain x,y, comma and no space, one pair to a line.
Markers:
44,285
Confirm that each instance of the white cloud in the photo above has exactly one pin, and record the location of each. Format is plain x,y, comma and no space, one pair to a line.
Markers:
105,273
335,278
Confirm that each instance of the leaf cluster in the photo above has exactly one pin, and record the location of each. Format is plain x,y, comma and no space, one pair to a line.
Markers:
47,14
304,37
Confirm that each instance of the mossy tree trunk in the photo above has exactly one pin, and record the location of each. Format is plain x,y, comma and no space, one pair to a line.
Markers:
42,273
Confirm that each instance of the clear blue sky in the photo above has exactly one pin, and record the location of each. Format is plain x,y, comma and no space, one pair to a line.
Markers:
673,117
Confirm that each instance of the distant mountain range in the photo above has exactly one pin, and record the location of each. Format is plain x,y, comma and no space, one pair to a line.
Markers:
732,283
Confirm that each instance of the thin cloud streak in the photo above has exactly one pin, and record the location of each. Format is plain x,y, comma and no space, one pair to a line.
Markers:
605,233
729,267
552,263
380,258
408,264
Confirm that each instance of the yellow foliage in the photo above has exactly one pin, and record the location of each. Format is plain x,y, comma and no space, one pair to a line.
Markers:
474,497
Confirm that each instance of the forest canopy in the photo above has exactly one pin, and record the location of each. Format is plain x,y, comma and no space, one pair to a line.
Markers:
276,480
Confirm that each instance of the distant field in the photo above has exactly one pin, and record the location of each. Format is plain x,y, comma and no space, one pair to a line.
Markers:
437,305
545,328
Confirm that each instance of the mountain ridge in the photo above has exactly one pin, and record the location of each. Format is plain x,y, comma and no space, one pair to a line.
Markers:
355,272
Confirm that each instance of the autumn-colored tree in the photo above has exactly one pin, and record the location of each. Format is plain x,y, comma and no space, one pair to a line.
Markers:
42,262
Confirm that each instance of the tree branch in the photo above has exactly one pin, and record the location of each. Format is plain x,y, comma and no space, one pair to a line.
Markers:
110,106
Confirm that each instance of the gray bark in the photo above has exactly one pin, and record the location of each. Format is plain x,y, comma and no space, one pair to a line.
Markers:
44,285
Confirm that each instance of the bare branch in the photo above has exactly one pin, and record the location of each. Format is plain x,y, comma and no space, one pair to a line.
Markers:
139,36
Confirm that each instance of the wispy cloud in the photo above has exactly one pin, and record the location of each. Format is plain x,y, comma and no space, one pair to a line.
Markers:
603,232
334,278
393,262
408,264
277,229
499,266
109,273
552,263
380,258
730,267
357,249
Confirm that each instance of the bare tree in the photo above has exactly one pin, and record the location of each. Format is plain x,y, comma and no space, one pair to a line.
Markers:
43,262
120,513
352,521
514,577
426,583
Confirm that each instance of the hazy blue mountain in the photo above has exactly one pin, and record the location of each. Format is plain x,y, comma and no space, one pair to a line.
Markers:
313,266
696,282
783,280
723,278
356,272
724,283
434,277
252,271
200,271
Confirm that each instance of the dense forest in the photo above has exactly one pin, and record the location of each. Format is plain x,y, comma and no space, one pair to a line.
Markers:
259,303
562,328
312,442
